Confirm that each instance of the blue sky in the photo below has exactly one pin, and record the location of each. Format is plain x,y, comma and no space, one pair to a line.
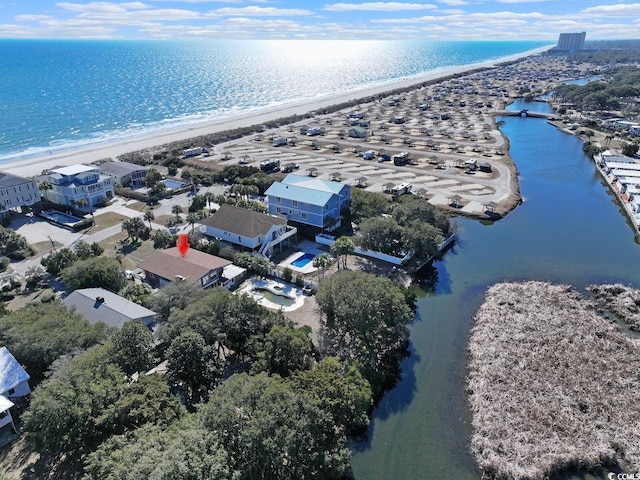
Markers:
437,19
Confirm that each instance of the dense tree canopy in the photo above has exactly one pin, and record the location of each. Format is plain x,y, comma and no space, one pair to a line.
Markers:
270,431
366,319
177,453
40,333
131,348
88,399
194,366
224,319
101,272
341,390
284,349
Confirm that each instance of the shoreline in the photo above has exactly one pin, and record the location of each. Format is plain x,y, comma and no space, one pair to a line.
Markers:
33,166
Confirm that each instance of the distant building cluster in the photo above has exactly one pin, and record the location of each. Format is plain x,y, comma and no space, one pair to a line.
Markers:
569,42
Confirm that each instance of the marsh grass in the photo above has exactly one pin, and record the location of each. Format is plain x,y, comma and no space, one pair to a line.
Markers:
622,301
552,385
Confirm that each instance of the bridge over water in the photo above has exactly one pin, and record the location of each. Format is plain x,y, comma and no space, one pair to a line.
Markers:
527,113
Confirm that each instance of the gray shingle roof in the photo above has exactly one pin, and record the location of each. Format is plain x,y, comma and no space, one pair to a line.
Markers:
114,310
120,168
11,372
241,221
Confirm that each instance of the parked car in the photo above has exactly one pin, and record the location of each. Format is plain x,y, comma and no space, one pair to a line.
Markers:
385,157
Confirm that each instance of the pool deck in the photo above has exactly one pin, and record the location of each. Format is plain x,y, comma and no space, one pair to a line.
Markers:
276,287
305,247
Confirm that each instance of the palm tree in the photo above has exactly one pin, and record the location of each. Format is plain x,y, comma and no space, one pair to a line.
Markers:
134,228
321,262
148,216
210,197
176,210
192,219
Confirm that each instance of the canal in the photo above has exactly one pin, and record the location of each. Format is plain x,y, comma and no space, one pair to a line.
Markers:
569,229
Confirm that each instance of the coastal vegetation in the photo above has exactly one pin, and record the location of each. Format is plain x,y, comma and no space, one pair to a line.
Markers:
620,300
550,384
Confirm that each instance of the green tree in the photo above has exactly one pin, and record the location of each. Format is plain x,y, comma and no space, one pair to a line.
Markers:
62,418
270,431
153,177
415,209
630,149
341,390
255,263
284,349
177,453
366,205
223,319
177,210
88,399
287,274
131,348
134,227
139,293
56,262
176,295
192,219
164,239
422,239
38,334
194,367
322,261
100,272
341,248
149,216
366,319
381,234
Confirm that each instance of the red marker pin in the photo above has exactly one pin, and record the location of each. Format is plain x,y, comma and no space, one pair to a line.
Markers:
183,244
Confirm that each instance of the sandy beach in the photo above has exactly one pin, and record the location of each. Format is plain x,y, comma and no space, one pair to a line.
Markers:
32,166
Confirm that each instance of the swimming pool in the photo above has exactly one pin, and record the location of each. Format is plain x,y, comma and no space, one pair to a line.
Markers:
173,184
61,218
281,300
303,260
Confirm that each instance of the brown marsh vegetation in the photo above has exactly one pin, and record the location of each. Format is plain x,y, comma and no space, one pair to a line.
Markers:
552,385
620,300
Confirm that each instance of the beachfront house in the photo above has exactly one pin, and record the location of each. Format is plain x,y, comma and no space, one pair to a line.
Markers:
125,174
309,201
100,305
254,231
78,186
14,381
17,192
166,266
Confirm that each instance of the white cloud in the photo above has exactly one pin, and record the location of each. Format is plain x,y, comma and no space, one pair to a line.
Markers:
618,10
102,7
377,7
253,11
523,1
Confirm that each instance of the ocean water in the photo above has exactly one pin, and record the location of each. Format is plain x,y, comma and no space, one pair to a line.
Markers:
59,94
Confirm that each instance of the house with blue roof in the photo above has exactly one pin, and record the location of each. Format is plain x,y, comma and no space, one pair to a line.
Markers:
309,201
14,380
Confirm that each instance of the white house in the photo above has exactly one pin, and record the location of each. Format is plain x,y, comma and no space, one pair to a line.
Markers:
5,414
251,230
14,381
70,186
17,191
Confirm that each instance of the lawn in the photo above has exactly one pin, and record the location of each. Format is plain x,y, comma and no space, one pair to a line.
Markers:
106,220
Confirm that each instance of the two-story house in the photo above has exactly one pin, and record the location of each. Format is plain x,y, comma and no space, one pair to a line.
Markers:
125,174
309,201
76,185
255,231
166,266
17,191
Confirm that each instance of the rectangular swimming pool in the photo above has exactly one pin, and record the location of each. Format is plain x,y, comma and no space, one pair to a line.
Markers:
60,217
173,184
303,260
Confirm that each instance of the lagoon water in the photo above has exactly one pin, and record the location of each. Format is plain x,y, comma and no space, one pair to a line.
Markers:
568,230
58,94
